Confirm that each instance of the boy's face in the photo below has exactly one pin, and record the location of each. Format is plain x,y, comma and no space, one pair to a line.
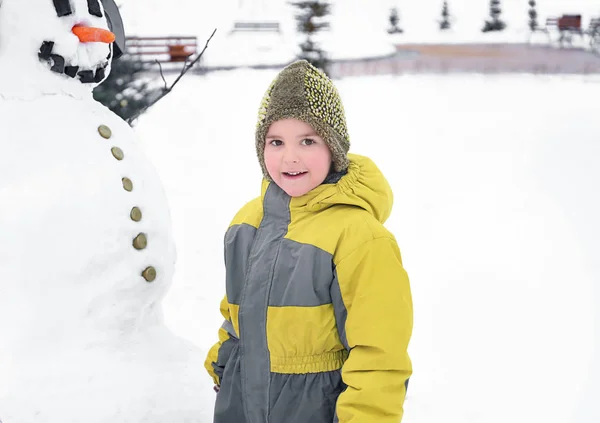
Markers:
296,158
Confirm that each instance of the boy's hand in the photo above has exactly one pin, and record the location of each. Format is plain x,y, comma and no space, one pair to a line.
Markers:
216,388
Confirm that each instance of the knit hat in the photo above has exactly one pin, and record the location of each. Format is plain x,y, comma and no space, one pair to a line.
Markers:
301,91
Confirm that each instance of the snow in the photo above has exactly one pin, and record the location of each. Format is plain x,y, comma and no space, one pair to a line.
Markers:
495,213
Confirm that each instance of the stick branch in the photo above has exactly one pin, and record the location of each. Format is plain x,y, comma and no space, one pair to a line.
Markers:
162,75
168,89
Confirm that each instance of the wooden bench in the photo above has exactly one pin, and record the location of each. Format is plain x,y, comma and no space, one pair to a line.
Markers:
566,26
257,26
551,23
570,23
164,49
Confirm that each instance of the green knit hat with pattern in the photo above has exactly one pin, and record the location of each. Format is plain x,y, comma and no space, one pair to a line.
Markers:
301,91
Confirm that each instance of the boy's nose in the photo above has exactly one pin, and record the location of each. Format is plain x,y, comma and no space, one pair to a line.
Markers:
291,159
290,155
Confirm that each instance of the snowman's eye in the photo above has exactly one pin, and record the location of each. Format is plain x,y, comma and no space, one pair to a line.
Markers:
94,8
63,7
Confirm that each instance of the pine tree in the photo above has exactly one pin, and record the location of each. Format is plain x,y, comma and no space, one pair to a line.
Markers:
394,22
445,22
533,23
495,24
310,20
126,92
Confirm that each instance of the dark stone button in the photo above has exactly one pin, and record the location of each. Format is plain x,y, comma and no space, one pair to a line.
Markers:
104,131
149,273
136,214
140,242
127,184
117,152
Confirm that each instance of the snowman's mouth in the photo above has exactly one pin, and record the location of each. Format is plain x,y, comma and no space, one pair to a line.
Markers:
57,63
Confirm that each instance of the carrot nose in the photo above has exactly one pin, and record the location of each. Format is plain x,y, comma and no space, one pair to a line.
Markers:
93,35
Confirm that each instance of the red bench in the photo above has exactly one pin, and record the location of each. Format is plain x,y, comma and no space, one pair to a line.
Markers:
566,26
570,23
162,49
564,23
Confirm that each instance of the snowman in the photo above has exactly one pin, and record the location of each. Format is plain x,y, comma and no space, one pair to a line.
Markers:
86,246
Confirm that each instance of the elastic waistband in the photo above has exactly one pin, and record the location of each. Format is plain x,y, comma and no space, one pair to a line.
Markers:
326,362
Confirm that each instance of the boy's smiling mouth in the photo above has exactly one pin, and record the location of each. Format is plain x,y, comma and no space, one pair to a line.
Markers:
294,174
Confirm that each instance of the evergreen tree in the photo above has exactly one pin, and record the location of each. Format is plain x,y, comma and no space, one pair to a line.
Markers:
394,22
495,24
126,91
533,23
445,21
311,19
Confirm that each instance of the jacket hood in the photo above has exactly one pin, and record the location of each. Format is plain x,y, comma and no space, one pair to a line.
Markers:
363,186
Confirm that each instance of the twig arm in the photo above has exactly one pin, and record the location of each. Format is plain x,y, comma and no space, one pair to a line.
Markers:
168,89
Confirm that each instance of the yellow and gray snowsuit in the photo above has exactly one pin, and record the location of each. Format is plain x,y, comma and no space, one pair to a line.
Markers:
318,310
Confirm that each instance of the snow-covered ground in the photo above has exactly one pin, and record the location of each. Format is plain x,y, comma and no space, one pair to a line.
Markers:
496,212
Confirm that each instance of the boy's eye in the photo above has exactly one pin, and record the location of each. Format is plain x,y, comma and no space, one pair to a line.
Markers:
276,142
308,141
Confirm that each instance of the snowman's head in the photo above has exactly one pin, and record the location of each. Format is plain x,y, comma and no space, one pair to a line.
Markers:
69,38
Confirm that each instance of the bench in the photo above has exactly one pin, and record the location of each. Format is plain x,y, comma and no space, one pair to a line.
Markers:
570,23
256,26
163,49
566,26
551,23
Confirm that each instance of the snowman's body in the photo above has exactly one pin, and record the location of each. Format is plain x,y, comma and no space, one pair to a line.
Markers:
81,326
86,257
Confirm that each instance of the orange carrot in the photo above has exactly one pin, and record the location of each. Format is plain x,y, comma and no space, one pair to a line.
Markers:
93,35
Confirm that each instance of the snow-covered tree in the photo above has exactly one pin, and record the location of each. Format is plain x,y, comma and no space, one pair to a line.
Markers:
394,21
445,21
311,19
533,15
495,23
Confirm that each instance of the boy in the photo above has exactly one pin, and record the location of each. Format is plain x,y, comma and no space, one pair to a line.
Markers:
318,310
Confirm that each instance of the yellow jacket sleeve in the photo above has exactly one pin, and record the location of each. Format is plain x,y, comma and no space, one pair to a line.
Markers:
376,294
213,365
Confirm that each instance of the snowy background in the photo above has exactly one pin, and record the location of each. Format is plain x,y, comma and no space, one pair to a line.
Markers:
150,17
356,25
496,182
496,205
